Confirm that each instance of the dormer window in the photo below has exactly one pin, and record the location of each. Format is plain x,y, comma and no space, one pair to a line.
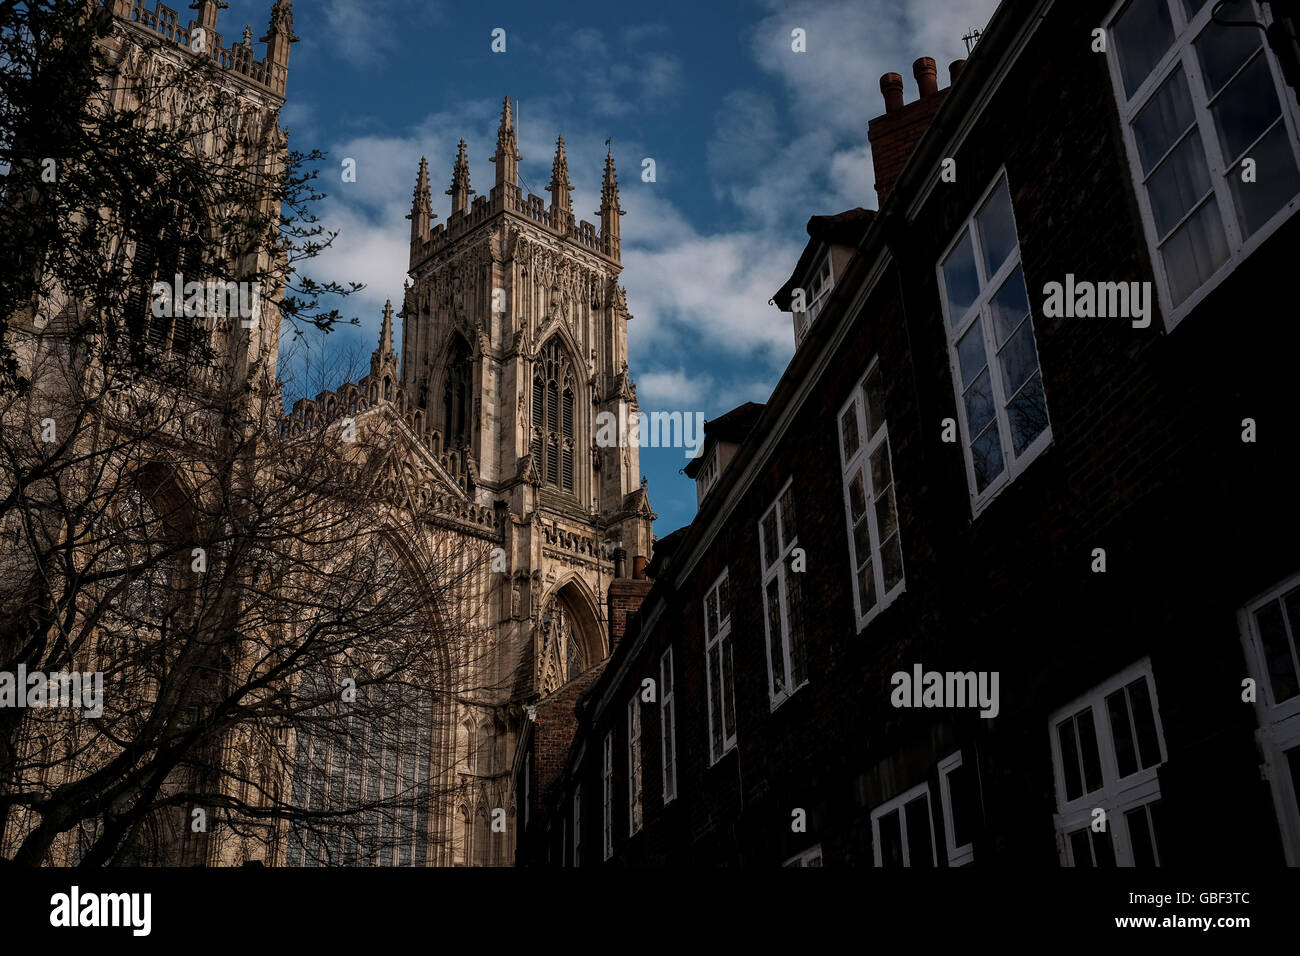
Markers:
708,474
817,292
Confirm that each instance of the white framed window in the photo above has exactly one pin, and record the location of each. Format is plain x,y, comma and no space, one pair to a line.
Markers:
821,282
1196,100
778,535
1001,401
634,765
577,825
809,857
1107,747
902,832
870,506
958,796
717,664
668,726
607,795
1270,629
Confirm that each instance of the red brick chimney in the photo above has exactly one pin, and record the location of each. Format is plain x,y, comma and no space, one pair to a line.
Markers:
894,135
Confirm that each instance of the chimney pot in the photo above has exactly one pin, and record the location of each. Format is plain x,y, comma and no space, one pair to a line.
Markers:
954,70
891,84
927,76
638,567
620,562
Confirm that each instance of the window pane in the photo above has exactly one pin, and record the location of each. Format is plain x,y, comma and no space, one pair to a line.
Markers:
920,848
1223,50
1122,732
728,691
862,543
1193,7
874,388
1019,359
1144,722
891,840
886,515
1069,759
711,614
866,587
1276,180
775,635
979,403
986,454
724,600
880,473
997,230
849,431
1088,748
1143,32
891,560
715,696
1247,107
1010,305
961,792
1139,834
857,496
1080,851
960,278
1193,253
970,353
1277,652
1163,121
1103,850
794,615
789,530
1178,184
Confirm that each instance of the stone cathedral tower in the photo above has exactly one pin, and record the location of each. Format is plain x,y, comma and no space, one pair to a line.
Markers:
514,340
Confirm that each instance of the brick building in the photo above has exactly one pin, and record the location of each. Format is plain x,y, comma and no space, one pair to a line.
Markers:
1039,428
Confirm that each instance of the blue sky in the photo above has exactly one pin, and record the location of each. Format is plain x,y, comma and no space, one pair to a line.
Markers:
749,139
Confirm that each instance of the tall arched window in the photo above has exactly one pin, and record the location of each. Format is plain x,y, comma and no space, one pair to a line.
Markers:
554,406
456,394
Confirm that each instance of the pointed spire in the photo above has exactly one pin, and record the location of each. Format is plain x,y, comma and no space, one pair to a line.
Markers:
561,202
421,204
279,36
460,191
507,154
386,330
610,210
385,357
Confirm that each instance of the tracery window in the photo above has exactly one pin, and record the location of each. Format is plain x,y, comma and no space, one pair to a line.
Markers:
554,407
456,400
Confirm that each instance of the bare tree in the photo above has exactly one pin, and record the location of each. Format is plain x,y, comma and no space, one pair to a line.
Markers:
280,662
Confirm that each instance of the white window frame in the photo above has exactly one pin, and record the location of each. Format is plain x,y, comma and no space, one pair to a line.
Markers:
899,803
1182,51
607,784
721,639
819,296
850,465
1279,724
1117,795
957,855
668,725
577,825
811,857
635,770
1012,465
778,571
